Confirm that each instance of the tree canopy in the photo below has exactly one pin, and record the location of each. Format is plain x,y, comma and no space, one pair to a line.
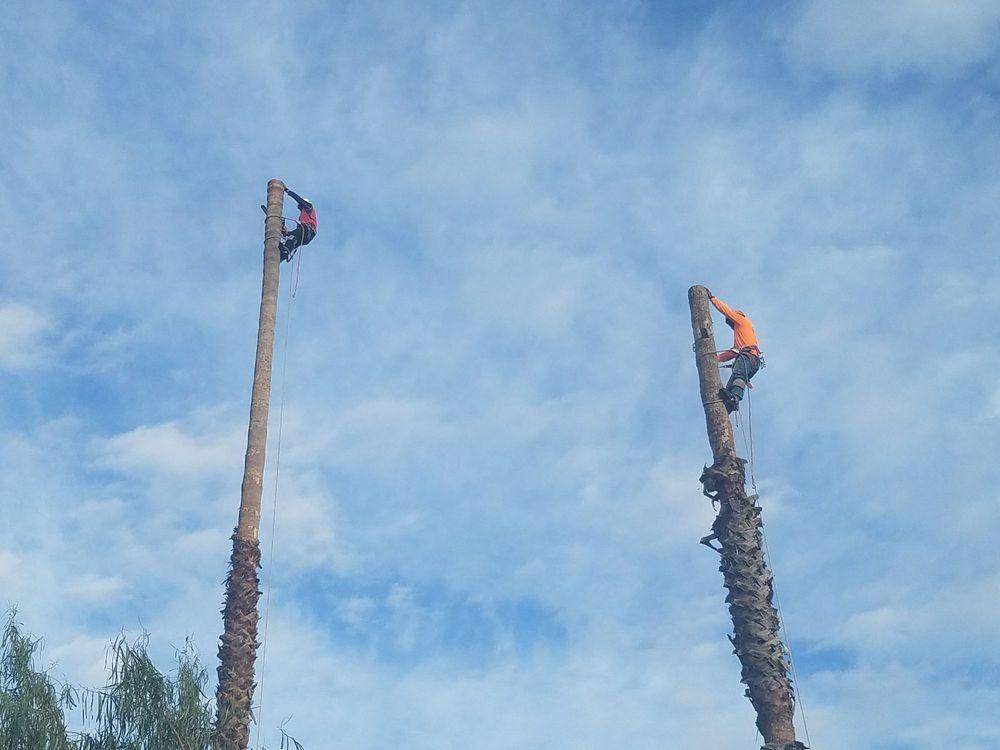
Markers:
139,708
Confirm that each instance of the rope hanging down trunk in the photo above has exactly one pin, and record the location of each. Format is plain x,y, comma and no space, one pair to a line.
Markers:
749,584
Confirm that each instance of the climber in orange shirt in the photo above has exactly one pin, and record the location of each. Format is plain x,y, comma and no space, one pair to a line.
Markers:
745,353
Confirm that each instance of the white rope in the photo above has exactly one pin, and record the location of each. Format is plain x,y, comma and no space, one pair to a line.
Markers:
753,473
748,447
748,444
786,639
298,271
274,516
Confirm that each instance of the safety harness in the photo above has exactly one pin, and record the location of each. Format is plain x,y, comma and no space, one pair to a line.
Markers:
746,351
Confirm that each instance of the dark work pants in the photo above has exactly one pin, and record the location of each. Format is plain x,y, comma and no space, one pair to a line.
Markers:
745,366
302,235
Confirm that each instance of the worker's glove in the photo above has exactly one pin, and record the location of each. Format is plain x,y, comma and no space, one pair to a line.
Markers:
708,293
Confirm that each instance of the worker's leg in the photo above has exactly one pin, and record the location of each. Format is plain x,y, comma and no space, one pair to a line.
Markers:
738,380
745,366
290,243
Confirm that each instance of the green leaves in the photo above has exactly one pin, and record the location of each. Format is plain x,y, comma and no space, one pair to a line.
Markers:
31,703
138,709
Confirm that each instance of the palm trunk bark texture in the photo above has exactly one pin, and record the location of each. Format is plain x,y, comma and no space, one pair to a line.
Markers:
738,530
238,646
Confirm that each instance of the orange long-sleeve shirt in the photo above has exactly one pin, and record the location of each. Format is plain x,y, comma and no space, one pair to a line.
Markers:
743,332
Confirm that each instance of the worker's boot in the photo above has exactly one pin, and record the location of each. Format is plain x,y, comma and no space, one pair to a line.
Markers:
732,403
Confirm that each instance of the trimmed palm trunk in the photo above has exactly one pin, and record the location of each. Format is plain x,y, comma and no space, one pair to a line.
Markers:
737,529
238,647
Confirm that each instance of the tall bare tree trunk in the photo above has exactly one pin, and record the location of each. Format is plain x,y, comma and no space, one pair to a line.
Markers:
756,637
238,647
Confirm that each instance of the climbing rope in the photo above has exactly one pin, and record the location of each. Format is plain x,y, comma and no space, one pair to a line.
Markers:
298,269
786,639
274,515
748,443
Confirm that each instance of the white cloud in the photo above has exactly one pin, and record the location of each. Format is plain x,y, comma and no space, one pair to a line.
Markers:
307,530
96,590
10,567
356,610
379,430
994,410
22,329
894,37
596,696
926,629
83,656
539,290
169,449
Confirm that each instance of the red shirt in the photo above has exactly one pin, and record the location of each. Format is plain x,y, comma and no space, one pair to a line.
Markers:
307,216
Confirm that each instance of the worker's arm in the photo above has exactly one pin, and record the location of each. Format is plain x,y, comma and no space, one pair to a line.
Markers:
726,355
723,308
298,199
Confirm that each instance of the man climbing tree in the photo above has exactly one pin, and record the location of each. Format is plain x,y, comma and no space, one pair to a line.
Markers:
304,231
739,531
745,354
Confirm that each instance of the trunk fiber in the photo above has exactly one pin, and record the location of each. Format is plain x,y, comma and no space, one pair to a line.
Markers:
238,647
738,530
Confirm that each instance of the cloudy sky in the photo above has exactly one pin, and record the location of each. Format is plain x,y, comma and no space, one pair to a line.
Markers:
488,506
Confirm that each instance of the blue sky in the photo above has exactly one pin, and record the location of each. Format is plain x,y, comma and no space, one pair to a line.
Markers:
489,509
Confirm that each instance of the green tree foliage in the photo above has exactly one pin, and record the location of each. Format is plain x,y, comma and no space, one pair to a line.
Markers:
139,709
31,706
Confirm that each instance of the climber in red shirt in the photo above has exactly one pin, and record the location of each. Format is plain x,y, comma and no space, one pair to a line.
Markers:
304,231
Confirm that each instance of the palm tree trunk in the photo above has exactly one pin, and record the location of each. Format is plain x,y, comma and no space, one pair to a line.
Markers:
238,647
756,638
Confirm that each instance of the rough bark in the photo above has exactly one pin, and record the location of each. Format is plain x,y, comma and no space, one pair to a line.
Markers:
737,529
238,647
